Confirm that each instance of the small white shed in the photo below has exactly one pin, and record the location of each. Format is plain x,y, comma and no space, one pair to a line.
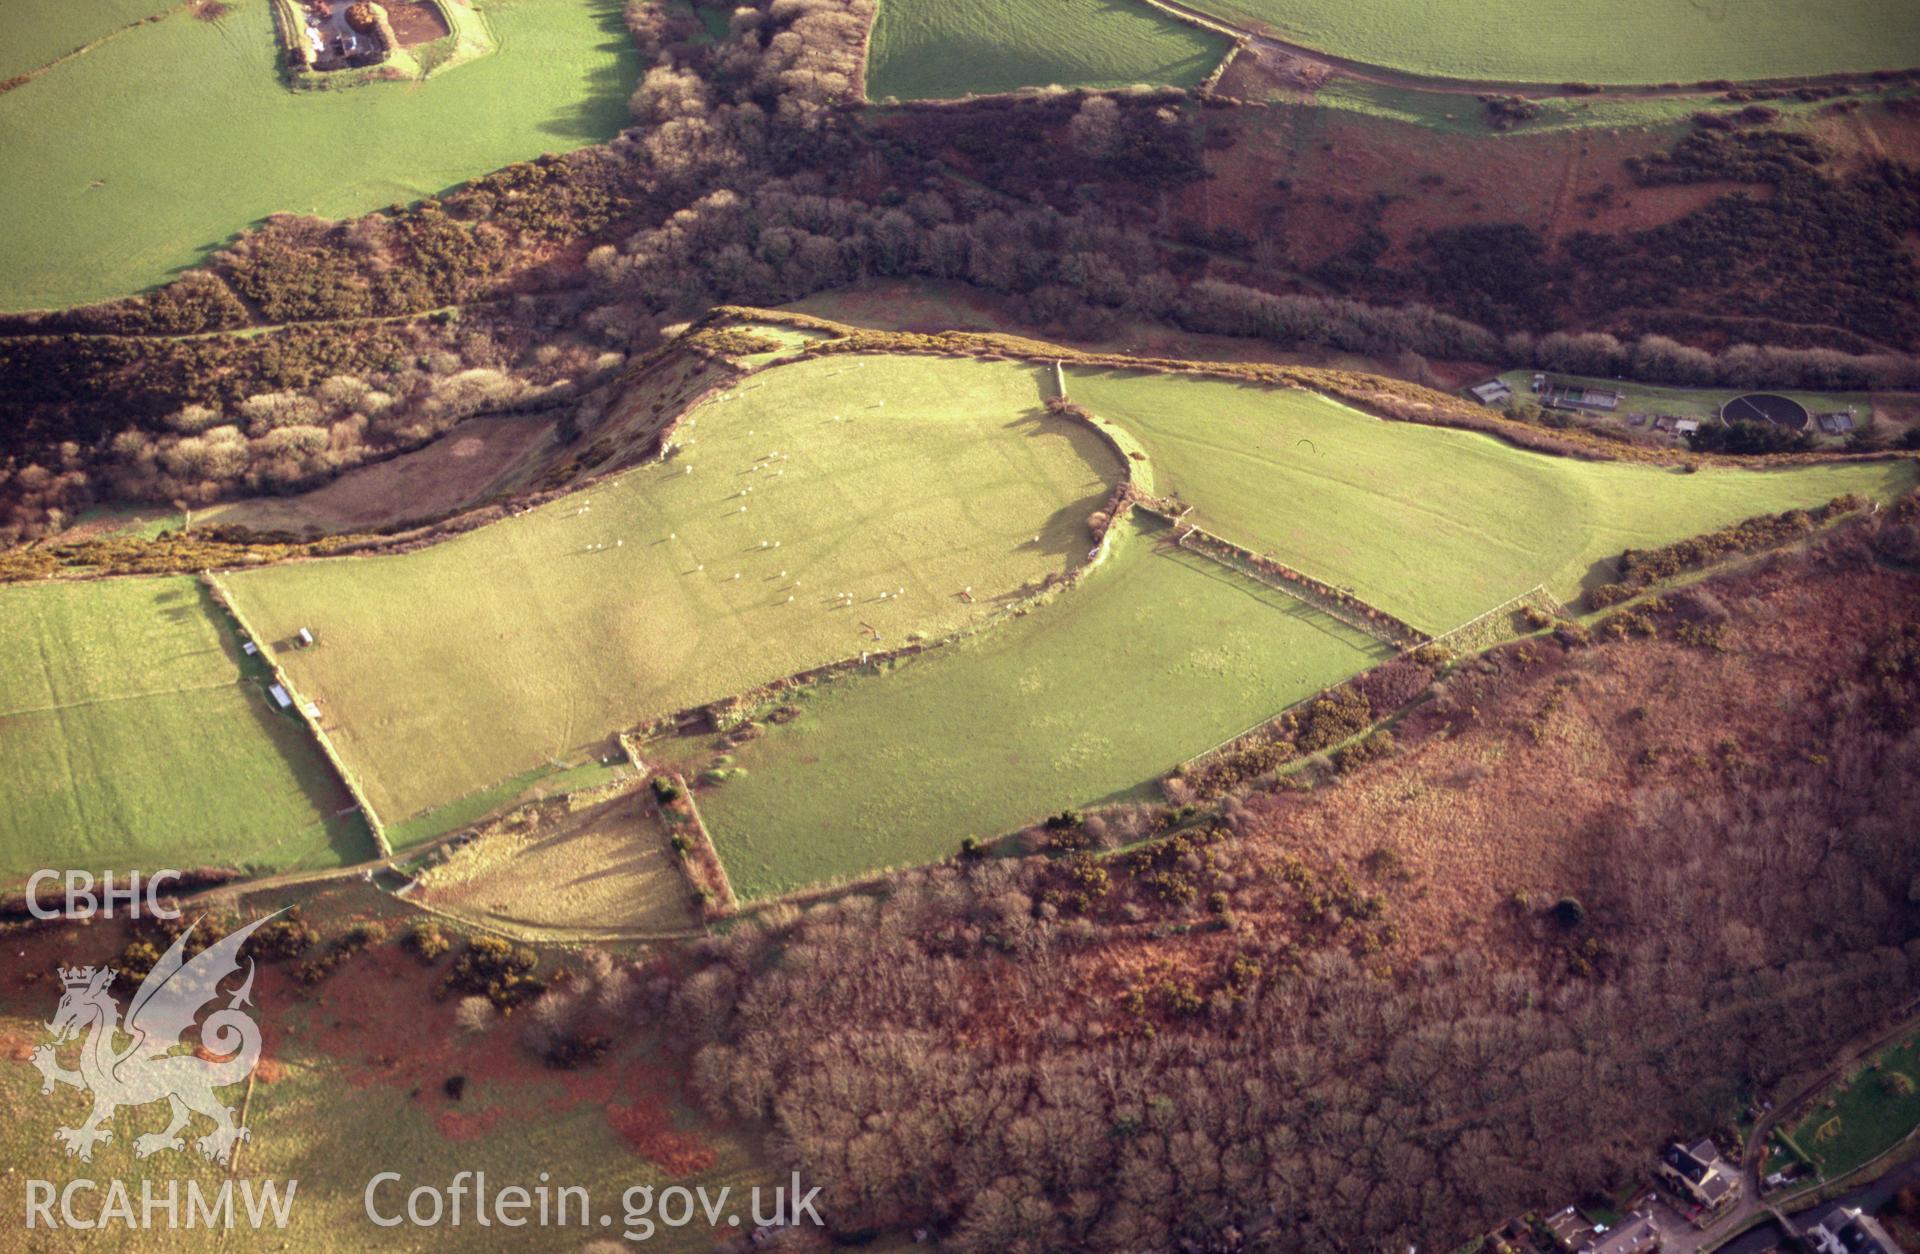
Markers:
280,697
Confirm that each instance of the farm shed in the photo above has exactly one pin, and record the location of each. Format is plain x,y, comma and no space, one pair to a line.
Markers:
1580,396
1491,392
280,697
304,636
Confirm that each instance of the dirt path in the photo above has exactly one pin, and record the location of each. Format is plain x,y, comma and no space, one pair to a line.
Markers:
1555,225
1869,136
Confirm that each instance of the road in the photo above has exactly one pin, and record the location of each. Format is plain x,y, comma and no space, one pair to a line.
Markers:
1868,1197
1754,1153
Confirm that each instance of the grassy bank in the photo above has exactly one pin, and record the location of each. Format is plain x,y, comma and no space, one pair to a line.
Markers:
134,734
448,670
1431,524
1157,655
1629,41
941,49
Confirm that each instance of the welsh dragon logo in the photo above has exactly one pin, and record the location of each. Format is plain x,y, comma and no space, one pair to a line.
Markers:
146,1068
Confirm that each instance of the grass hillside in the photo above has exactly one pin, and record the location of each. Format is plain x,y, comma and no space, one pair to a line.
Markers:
454,667
131,735
940,49
144,188
39,31
1627,41
1432,524
1049,711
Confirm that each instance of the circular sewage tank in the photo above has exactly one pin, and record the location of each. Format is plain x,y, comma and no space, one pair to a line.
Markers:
1768,407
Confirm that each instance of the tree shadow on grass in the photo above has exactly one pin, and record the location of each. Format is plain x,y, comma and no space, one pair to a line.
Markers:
349,839
1604,571
599,110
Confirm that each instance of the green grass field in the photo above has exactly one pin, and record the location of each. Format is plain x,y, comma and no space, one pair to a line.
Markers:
134,734
190,135
41,31
1431,524
1877,1107
1157,656
450,669
1628,41
941,49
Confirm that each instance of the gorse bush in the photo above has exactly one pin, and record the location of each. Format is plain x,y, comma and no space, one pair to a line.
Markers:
497,970
1330,719
1640,568
286,937
427,939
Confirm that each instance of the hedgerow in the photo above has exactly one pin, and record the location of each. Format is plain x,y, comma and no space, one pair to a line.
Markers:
1640,568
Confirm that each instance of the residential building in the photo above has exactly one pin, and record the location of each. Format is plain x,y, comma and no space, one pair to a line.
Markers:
1698,1174
1636,1234
1848,1230
1569,1228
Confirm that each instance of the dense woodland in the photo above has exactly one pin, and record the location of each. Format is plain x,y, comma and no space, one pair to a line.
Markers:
750,175
1049,1053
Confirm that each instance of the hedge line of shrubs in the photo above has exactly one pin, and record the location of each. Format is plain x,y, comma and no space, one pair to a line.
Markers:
1336,715
1641,568
359,937
169,553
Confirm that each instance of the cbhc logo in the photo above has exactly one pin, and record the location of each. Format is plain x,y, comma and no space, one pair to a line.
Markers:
83,901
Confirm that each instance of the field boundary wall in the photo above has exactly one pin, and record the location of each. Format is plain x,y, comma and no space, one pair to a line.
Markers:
1348,608
713,890
1509,605
219,592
